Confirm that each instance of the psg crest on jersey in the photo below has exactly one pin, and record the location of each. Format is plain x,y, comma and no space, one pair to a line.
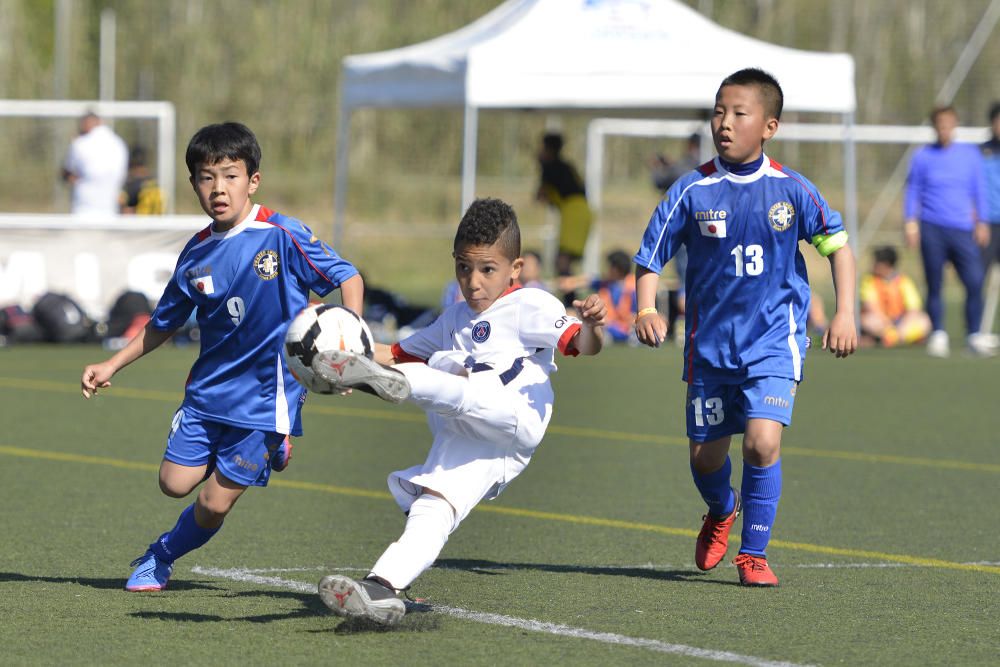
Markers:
266,264
781,216
480,331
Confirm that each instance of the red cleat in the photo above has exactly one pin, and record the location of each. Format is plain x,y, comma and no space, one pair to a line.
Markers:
713,540
754,570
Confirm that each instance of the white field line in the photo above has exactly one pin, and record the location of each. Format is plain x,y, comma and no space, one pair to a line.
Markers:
530,625
642,566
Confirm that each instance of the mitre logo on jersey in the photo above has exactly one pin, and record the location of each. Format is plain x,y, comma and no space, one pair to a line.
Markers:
266,264
712,222
480,331
781,216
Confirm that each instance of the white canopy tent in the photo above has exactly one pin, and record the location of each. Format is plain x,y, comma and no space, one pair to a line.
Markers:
594,55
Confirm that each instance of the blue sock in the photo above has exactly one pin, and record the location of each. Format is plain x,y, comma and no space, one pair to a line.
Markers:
715,490
186,536
761,491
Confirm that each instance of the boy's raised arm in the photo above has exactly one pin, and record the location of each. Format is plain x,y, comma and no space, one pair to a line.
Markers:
352,293
842,336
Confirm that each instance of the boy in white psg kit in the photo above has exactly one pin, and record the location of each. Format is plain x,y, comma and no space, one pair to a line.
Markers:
481,371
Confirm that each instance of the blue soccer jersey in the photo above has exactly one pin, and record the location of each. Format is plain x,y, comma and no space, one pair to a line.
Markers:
747,288
246,285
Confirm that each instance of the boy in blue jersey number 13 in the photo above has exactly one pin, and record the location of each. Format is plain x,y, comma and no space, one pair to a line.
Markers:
245,276
741,217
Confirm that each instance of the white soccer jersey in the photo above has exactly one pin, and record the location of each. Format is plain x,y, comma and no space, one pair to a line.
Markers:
516,336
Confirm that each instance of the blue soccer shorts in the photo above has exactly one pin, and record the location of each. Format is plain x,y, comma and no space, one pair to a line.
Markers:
241,455
716,410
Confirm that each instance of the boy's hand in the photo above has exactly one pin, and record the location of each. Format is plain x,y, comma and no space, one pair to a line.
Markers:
650,329
592,310
96,376
842,336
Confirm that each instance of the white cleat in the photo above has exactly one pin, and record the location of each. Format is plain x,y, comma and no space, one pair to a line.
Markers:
350,370
937,344
361,599
982,344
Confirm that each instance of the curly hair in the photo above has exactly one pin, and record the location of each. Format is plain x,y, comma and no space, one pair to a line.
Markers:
490,221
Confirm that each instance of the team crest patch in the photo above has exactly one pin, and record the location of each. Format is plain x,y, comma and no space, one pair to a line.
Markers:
781,216
266,264
480,331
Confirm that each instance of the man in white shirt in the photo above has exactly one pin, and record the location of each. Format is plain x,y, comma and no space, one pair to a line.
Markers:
96,165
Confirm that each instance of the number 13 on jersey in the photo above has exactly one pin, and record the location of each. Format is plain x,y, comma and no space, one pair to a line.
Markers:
749,260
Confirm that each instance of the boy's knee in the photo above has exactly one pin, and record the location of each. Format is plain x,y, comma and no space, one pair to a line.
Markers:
761,451
175,488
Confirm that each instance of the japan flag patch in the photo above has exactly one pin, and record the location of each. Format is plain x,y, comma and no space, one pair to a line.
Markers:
203,284
713,228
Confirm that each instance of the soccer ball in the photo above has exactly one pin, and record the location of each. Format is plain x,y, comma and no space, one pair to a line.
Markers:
319,328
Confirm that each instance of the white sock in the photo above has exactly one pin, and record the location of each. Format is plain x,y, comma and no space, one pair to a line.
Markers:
435,390
430,522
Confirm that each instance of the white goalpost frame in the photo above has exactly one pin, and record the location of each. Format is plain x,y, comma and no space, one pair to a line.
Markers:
162,112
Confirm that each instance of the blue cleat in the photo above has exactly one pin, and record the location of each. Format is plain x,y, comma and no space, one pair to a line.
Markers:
282,456
151,573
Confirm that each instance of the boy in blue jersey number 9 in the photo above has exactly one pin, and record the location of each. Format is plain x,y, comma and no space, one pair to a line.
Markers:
245,276
741,217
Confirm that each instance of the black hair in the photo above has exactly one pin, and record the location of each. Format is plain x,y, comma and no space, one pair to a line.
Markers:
886,255
489,221
994,112
937,111
137,157
620,261
553,141
214,143
770,91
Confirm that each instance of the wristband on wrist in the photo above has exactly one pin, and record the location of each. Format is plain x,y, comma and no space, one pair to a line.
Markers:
645,311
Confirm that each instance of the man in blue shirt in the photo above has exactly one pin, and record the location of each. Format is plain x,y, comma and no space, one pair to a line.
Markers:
245,276
991,167
944,208
741,217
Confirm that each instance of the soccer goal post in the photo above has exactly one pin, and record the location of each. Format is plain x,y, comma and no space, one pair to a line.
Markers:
161,112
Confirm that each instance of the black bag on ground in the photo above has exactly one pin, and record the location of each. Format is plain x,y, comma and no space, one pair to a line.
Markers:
124,312
18,326
62,320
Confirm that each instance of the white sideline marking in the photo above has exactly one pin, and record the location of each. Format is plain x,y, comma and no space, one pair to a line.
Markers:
243,575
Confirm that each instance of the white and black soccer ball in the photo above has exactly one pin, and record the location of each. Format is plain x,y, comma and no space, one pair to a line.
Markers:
322,327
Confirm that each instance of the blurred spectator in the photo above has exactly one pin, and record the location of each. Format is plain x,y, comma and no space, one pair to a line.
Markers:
95,168
531,270
991,253
944,205
562,187
142,195
891,308
617,289
664,172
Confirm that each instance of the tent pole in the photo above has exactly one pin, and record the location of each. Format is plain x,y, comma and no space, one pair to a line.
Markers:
851,201
340,178
469,157
593,177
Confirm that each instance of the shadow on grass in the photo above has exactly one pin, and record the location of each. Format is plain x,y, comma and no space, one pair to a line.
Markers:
494,568
112,583
311,607
416,620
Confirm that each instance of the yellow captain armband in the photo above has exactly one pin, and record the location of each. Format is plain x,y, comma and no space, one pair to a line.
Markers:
645,311
827,244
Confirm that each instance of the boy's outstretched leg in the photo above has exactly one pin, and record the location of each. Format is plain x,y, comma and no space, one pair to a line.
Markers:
761,490
430,521
712,479
196,525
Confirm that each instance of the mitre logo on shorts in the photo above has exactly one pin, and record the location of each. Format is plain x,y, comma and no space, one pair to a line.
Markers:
266,264
712,223
480,331
781,216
